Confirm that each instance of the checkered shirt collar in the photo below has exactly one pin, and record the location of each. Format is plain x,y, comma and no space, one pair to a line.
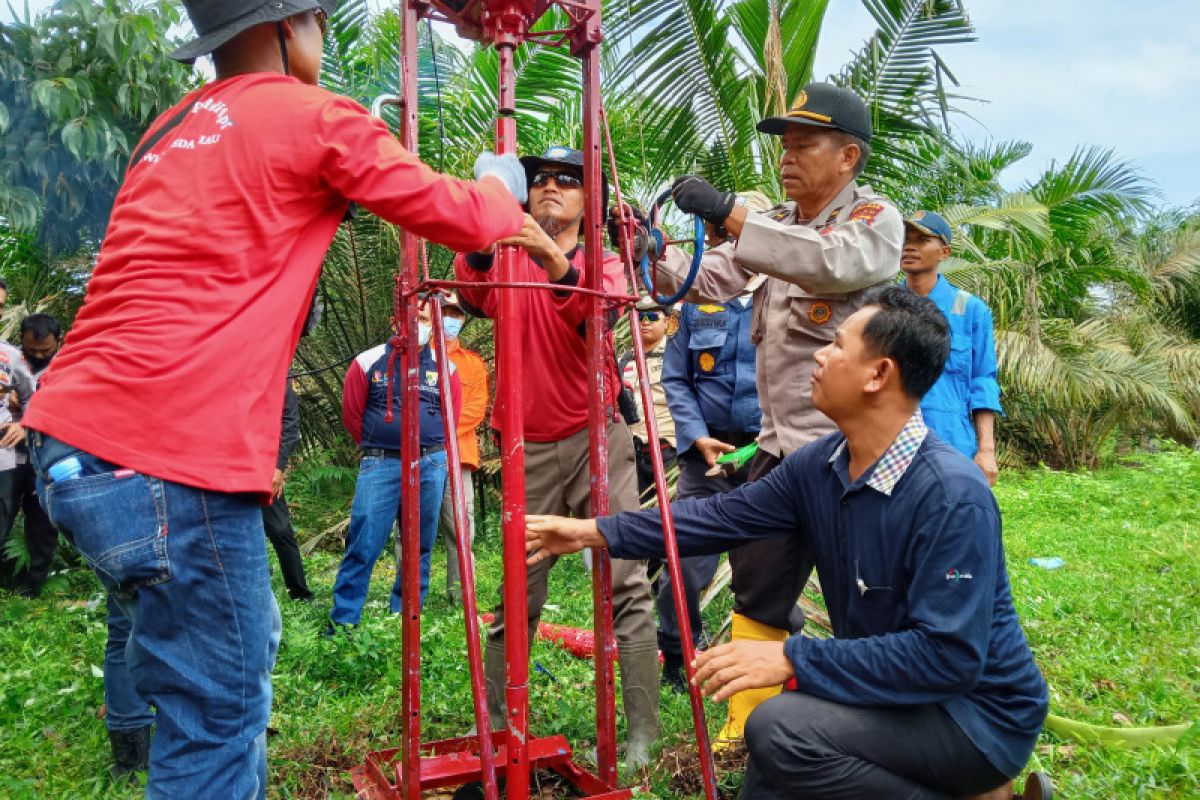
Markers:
896,460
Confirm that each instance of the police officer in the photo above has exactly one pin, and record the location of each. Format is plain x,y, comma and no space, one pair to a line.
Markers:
820,250
963,404
656,325
709,377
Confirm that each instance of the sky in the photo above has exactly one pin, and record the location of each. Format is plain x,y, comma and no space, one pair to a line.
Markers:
1064,73
1060,74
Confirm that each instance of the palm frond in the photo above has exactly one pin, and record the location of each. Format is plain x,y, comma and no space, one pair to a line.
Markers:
896,70
1092,184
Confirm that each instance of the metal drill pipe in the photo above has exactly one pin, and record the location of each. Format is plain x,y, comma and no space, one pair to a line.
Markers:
678,596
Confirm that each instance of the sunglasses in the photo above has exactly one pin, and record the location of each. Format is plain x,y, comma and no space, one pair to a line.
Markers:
322,21
565,180
649,316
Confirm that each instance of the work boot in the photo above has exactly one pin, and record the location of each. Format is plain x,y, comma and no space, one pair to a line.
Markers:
674,677
131,753
639,694
742,703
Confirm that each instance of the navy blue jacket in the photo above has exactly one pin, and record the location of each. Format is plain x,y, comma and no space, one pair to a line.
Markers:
364,399
914,582
708,372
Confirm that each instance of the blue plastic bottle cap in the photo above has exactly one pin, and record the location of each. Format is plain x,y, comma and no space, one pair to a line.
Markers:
65,470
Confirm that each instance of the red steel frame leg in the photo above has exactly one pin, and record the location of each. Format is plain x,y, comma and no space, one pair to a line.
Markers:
509,394
466,560
678,595
598,420
410,446
505,24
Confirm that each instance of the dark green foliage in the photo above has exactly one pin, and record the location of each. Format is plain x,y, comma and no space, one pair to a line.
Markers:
79,83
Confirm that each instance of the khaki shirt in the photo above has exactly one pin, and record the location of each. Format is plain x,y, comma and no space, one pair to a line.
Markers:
662,413
818,271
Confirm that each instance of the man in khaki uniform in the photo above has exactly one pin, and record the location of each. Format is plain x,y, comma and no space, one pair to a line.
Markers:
655,325
832,240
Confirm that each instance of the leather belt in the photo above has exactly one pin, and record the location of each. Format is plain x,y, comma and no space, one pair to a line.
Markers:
380,452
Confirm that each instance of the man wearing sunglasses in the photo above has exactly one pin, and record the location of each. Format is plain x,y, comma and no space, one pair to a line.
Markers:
155,465
555,396
655,325
818,252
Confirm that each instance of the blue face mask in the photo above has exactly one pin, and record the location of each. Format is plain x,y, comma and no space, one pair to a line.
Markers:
424,332
453,326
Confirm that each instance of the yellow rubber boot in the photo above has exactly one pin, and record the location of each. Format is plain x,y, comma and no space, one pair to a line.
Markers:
742,703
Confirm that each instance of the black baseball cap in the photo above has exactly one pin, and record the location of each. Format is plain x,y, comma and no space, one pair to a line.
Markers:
560,156
218,21
823,105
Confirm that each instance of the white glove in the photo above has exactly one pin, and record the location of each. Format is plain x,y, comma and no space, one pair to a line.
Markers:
507,168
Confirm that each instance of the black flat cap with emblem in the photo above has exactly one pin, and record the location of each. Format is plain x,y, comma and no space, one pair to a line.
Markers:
218,21
823,105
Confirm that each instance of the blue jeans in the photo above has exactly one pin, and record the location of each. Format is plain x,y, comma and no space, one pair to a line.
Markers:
376,506
126,710
187,570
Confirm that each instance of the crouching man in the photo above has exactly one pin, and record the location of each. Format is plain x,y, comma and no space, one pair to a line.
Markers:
929,688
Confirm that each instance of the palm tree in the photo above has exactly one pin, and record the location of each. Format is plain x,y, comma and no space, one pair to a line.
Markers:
1078,294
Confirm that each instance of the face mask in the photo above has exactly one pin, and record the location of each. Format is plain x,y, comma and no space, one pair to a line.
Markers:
453,327
423,333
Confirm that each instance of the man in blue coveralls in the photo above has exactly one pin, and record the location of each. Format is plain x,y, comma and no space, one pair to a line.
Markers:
708,375
927,689
963,404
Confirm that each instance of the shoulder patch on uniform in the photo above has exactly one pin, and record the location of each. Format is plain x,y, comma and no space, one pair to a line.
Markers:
867,212
672,324
710,309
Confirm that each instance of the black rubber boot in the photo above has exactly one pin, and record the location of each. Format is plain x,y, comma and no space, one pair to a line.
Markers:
131,753
673,675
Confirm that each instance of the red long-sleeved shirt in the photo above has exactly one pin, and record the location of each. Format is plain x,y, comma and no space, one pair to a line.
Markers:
555,386
175,365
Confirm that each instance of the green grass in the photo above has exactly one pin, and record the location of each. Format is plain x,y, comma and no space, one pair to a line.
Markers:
1114,630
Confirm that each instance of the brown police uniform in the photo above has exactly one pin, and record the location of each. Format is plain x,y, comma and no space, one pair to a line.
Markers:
818,272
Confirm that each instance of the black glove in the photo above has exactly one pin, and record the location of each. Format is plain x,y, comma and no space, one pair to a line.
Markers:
641,238
694,195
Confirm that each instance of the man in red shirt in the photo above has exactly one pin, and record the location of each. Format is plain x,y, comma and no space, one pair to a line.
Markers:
555,411
155,431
